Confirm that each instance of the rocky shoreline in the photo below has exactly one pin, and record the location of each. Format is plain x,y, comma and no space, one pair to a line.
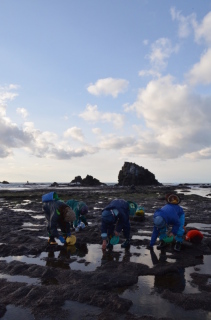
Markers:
23,234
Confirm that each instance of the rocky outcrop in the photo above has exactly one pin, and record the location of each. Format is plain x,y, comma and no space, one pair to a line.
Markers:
54,184
88,181
132,174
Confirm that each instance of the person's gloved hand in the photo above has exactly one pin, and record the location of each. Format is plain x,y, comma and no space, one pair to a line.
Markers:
62,239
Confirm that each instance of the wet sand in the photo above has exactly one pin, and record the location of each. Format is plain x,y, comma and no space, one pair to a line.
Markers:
39,281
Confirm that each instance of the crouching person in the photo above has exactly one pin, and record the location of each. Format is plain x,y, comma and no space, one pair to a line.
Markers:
169,215
80,208
115,218
58,215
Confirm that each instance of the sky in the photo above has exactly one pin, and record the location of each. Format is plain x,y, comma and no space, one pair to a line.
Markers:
88,85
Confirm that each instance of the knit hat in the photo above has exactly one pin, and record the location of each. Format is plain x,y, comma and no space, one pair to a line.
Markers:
159,222
107,216
69,215
173,199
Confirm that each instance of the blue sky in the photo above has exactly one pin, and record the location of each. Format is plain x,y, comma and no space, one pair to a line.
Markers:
87,85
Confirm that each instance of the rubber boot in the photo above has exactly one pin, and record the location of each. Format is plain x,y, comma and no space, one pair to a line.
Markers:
126,244
51,240
161,245
177,246
109,246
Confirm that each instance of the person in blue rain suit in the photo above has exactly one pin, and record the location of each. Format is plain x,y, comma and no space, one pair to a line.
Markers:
169,215
58,215
115,218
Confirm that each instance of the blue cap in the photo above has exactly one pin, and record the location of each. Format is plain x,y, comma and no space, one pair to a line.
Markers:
159,222
107,216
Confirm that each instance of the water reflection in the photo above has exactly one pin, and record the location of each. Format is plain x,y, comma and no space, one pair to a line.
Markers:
155,259
174,281
147,300
20,278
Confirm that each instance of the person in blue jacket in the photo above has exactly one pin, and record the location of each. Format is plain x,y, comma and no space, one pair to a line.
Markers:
169,215
58,215
115,218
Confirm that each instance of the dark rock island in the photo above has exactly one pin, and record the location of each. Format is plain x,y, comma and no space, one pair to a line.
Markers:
132,174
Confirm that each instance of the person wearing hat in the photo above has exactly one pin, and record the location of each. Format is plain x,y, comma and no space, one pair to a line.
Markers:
169,215
58,215
80,208
115,218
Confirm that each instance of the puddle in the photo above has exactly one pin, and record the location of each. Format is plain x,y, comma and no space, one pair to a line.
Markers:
29,224
26,202
28,260
22,210
200,226
30,229
201,268
20,278
141,237
38,217
149,213
203,192
14,313
144,231
146,300
150,258
80,311
87,257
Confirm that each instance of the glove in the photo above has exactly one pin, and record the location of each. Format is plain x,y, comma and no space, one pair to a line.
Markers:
62,239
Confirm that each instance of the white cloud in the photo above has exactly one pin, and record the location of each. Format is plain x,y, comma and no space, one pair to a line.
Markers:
146,42
5,96
108,86
150,72
185,23
93,115
65,118
161,50
75,133
178,122
202,31
97,131
201,154
23,112
114,142
201,71
40,144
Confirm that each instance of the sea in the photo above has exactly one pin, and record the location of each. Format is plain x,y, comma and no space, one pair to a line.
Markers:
200,189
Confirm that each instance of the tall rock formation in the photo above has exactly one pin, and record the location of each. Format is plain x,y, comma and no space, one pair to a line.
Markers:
132,174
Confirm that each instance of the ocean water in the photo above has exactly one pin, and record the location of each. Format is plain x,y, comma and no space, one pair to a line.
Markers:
203,190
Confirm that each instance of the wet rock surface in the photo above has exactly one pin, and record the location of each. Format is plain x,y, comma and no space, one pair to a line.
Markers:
39,277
